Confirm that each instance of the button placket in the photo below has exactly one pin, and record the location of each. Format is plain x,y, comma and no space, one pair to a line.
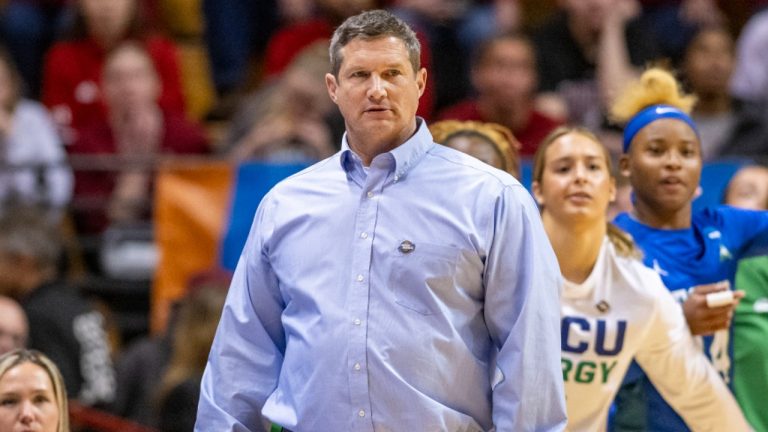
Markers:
360,294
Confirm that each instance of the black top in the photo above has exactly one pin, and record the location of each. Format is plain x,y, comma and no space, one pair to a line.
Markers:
66,328
560,59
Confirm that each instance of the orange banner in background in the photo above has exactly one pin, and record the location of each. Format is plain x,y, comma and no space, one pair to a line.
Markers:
192,201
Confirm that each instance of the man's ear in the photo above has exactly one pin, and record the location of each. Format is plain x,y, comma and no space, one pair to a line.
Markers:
421,80
331,85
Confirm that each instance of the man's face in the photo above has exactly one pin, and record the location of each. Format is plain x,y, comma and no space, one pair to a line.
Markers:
377,92
507,73
13,326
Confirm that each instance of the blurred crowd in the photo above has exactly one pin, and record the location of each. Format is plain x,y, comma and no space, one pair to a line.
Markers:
96,94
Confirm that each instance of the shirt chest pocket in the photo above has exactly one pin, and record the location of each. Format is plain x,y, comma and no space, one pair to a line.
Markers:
421,277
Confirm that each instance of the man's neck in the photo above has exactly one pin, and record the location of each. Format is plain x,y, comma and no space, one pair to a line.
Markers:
367,147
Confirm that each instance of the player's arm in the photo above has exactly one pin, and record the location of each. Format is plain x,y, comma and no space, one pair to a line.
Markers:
680,371
704,317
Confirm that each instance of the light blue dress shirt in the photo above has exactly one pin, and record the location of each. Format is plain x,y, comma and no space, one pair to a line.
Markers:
418,294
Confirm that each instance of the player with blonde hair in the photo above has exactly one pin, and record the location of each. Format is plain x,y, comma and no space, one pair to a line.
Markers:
695,253
613,308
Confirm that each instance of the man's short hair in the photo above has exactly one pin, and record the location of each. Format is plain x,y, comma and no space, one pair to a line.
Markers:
372,25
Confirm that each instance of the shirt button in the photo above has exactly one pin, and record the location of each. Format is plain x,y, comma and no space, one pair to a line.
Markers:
361,413
359,278
370,194
364,235
397,178
357,321
357,366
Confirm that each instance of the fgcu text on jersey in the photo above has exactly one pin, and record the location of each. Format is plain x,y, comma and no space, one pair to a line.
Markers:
603,337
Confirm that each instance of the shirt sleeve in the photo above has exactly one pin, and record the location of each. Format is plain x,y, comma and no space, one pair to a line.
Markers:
248,349
680,371
750,228
522,312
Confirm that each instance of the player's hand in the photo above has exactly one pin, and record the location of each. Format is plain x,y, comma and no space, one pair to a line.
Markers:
704,320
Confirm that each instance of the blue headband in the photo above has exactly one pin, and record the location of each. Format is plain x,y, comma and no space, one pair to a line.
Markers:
651,114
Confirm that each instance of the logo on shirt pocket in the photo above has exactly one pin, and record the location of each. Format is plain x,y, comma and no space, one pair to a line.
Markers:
421,273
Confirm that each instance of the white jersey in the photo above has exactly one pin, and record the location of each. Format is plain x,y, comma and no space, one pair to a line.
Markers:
623,311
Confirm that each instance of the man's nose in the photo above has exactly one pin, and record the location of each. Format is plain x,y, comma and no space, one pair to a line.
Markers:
377,90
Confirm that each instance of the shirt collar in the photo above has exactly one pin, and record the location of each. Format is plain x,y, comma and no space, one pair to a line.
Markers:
405,156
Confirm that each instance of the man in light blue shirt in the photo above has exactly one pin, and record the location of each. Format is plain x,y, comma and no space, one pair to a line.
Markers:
397,286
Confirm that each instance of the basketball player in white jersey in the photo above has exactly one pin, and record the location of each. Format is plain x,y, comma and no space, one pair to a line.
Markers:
613,308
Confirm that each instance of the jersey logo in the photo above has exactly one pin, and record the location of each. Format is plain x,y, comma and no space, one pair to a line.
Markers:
603,306
725,254
714,235
657,268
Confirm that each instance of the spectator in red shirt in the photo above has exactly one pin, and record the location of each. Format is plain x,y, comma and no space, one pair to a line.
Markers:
137,130
72,75
290,40
504,75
